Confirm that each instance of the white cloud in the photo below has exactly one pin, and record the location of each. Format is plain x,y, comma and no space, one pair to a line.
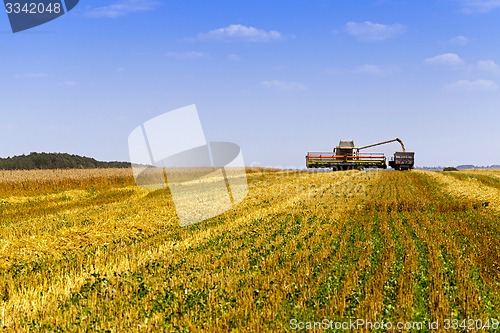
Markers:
121,8
448,59
283,85
238,32
488,66
279,68
373,32
479,6
376,70
32,75
467,85
234,57
459,41
185,55
67,83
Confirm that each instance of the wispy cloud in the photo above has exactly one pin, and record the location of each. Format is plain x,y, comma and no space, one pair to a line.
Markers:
446,59
376,70
185,55
467,85
479,6
373,32
488,66
283,85
67,83
459,41
32,75
238,32
121,8
234,57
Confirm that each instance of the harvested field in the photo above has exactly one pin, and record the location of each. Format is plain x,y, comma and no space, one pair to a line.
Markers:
90,251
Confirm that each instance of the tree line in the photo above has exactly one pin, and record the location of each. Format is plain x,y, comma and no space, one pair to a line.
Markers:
55,161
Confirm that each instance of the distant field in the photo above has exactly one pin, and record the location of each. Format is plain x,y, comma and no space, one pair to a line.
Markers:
88,251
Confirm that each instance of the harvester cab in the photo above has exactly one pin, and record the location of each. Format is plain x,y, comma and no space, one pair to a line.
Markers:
345,148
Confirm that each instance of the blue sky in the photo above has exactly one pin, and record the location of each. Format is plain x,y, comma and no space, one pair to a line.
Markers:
279,78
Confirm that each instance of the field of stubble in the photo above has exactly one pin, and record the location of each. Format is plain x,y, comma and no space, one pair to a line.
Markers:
88,251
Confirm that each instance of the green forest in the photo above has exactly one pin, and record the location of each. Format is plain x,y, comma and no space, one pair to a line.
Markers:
55,161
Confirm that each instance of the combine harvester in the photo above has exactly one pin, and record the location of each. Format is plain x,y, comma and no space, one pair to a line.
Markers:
346,156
